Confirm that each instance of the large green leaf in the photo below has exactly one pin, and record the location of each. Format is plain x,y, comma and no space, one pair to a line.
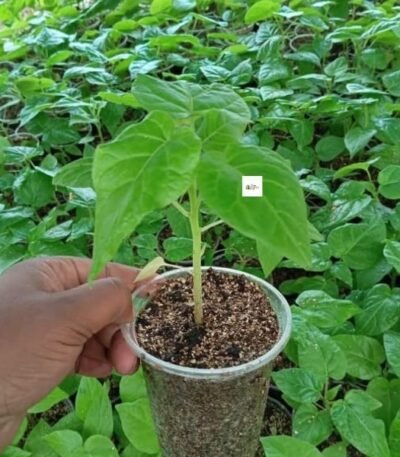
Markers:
391,342
324,311
64,442
262,10
286,446
357,425
392,254
380,311
357,138
76,174
312,425
132,387
392,82
182,99
277,219
138,425
389,182
93,407
359,245
364,355
100,446
298,384
320,355
394,436
387,393
146,167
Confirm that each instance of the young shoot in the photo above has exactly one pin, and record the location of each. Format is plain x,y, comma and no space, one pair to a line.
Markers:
190,142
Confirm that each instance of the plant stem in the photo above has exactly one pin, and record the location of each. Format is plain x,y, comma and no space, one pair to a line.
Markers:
213,224
181,209
196,235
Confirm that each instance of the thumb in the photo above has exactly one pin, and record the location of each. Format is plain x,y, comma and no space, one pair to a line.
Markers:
90,308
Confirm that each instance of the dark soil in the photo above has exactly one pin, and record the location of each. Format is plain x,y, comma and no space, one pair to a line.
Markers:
239,322
277,421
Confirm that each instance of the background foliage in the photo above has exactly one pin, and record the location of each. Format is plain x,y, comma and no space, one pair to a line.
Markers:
322,82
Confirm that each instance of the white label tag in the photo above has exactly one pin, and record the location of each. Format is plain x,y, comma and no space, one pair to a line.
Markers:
252,186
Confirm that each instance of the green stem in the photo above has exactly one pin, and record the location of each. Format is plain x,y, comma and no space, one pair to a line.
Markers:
196,235
181,209
211,225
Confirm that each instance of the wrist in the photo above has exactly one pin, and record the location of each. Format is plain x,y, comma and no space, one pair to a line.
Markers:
8,429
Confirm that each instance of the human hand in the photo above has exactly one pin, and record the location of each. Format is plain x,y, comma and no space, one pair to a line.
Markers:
52,323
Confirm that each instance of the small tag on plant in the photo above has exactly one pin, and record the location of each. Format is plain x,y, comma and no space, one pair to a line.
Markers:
252,186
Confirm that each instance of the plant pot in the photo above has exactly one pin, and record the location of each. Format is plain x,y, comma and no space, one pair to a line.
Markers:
209,412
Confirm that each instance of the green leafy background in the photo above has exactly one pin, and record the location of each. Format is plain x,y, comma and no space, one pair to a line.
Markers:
319,83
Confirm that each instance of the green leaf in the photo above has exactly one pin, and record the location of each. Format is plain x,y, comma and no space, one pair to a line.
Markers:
58,57
12,451
120,98
100,446
391,342
286,446
361,429
389,182
273,70
277,219
298,384
262,10
394,436
64,442
10,256
357,139
30,85
342,272
21,432
178,249
304,56
269,259
380,311
320,355
359,245
34,189
362,400
138,425
337,67
337,450
364,355
55,396
387,393
216,128
179,224
163,160
302,131
324,311
132,387
93,407
160,6
392,82
317,187
75,174
311,424
155,94
181,99
348,169
329,147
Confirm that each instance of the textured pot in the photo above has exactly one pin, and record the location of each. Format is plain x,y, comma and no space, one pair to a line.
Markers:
209,412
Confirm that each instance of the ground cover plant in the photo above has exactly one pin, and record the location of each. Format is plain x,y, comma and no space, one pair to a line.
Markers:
321,83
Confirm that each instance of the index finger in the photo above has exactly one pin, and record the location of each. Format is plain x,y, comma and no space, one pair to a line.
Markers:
74,271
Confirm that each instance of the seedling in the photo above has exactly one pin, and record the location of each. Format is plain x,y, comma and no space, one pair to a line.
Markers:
191,142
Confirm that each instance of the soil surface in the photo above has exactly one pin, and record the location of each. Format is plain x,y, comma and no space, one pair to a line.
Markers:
239,322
